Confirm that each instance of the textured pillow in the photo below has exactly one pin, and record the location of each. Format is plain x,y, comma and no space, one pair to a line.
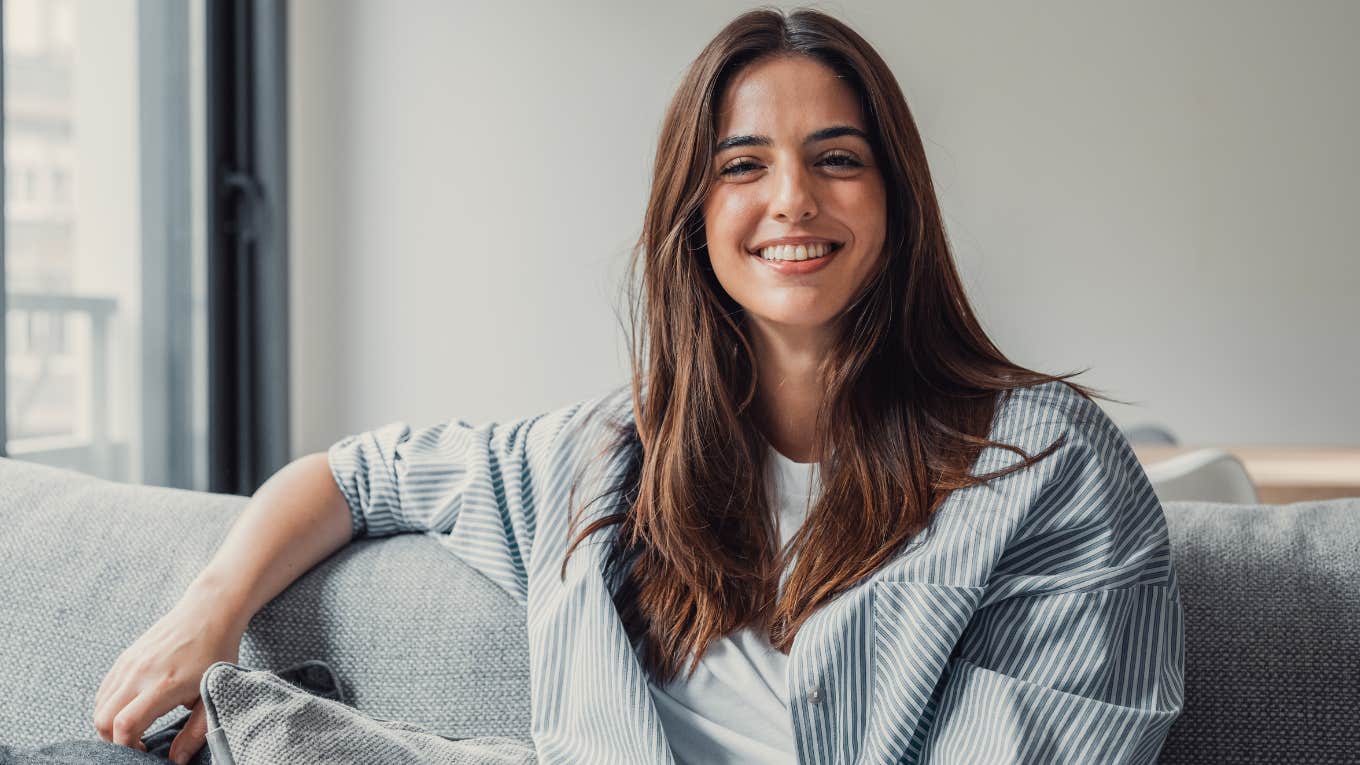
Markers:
257,718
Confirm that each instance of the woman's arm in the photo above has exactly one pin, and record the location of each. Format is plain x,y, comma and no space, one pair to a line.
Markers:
295,520
479,486
1075,653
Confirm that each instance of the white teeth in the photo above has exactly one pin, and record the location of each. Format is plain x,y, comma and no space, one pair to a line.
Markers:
799,252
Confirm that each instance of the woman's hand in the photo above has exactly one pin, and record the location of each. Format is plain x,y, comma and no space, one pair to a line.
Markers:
162,669
294,520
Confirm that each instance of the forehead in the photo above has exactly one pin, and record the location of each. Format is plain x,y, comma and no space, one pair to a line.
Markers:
788,96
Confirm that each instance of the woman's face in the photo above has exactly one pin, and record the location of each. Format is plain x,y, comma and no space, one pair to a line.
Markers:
793,161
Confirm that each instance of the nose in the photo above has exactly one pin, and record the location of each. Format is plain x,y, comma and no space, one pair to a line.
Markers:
793,198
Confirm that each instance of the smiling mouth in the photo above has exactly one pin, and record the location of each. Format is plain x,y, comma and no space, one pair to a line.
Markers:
788,254
799,267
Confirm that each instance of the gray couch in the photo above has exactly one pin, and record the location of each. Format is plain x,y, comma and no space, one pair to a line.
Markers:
1271,596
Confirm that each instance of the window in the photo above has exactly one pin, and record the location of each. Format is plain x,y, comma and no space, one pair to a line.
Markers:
122,240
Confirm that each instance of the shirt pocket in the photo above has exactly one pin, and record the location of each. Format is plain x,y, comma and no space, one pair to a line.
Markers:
914,628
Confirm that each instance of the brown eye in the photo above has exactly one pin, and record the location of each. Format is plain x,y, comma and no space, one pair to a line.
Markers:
739,168
842,160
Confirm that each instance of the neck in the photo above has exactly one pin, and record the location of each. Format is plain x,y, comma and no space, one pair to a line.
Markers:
789,389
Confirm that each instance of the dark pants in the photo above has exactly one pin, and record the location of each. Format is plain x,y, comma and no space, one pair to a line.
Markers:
96,752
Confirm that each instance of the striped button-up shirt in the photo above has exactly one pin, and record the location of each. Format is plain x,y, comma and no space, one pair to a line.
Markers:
1038,621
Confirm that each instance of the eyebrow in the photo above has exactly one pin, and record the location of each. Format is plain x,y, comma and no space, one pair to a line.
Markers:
824,134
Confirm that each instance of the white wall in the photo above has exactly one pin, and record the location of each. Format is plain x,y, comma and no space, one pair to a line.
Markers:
1164,192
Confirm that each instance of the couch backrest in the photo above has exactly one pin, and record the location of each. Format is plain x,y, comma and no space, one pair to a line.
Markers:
1272,621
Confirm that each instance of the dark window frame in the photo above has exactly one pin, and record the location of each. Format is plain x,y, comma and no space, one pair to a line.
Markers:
247,248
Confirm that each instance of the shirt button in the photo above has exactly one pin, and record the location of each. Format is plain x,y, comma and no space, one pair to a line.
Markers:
815,696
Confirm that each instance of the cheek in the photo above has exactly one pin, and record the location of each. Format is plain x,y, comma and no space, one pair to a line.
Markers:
729,218
861,201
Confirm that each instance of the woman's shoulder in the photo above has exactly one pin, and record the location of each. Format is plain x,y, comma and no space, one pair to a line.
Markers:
591,430
1092,453
1037,415
1080,441
590,453
589,420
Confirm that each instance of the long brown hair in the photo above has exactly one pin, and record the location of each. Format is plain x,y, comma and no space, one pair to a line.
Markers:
911,386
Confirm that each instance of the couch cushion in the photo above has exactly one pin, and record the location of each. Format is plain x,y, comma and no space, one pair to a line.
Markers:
1272,623
413,633
1271,596
257,718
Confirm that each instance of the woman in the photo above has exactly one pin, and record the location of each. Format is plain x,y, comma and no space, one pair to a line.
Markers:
826,521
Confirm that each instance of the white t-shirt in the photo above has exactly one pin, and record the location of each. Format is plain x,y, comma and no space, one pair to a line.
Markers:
735,708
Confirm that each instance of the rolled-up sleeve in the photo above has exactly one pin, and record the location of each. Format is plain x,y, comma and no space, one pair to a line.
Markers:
1076,651
480,484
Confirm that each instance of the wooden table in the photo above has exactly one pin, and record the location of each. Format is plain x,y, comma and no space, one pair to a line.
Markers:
1284,474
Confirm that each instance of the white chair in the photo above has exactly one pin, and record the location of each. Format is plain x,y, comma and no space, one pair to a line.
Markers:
1204,475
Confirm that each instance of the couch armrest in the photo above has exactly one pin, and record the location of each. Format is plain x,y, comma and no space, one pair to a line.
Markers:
413,633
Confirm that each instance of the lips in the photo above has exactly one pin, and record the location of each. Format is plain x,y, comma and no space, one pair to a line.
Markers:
792,241
799,267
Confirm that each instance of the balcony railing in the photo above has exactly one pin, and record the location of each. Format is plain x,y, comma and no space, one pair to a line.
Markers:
52,379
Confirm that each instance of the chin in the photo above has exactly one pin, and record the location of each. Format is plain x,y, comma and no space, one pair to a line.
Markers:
795,319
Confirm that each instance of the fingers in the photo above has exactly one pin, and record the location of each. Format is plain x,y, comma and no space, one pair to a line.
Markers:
191,737
113,679
106,685
113,703
131,723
